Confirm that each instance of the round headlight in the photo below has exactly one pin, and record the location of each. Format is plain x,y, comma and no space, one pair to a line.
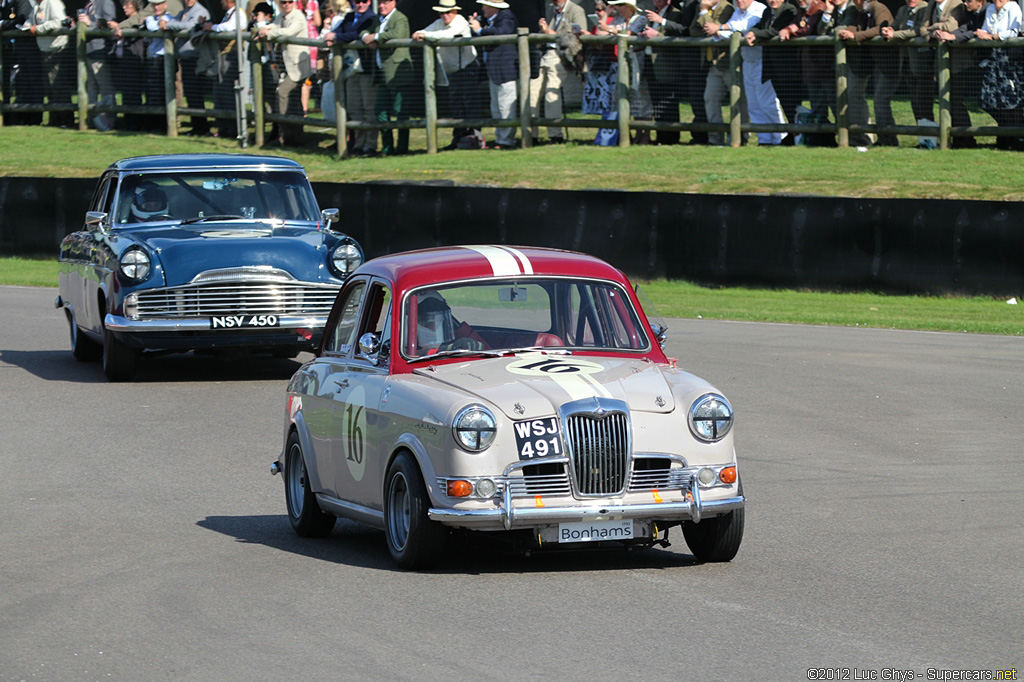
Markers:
345,259
474,428
710,418
135,264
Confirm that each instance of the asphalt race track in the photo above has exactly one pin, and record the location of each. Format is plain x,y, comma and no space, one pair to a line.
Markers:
142,536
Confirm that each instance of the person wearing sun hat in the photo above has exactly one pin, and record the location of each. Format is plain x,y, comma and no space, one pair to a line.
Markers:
297,68
502,65
395,64
631,20
456,72
359,75
561,16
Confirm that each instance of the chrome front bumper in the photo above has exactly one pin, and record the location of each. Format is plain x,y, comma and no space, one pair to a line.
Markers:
510,517
118,323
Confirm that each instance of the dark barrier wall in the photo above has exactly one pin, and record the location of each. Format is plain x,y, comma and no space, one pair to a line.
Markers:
793,241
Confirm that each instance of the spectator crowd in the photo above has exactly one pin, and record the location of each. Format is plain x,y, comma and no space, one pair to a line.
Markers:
382,82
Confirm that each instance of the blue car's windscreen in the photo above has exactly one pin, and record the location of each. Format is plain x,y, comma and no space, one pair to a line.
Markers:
245,194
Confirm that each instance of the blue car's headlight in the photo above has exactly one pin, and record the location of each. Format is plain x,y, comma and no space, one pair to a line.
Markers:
345,259
135,264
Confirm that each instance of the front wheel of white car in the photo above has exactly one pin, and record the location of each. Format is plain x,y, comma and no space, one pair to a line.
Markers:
415,542
308,520
715,539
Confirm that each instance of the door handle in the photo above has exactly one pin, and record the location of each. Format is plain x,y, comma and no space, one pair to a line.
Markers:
341,384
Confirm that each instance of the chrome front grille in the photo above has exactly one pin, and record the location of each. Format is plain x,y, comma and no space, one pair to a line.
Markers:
599,444
554,485
676,478
238,298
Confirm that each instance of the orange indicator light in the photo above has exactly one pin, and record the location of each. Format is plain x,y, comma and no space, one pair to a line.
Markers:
460,488
728,475
657,497
539,501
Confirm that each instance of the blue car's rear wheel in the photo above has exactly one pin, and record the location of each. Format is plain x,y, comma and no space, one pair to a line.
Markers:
82,347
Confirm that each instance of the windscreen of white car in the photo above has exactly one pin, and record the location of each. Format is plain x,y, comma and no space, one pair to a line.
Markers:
516,314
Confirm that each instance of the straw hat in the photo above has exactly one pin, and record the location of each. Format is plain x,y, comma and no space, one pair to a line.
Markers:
445,6
493,3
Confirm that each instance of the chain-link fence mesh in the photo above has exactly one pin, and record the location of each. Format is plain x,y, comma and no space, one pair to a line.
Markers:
761,74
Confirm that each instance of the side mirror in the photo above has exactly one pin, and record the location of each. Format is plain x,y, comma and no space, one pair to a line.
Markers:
95,217
328,216
372,349
660,333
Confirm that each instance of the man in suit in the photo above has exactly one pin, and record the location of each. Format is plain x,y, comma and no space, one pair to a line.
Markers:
909,18
291,23
502,65
878,63
360,66
966,75
712,16
838,15
194,85
663,66
225,70
560,18
939,18
395,74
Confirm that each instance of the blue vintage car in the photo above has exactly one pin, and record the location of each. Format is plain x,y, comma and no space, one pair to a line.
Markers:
201,252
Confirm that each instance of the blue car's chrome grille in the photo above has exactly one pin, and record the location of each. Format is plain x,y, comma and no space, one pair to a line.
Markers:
237,298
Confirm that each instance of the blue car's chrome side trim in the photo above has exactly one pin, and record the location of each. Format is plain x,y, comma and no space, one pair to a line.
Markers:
118,323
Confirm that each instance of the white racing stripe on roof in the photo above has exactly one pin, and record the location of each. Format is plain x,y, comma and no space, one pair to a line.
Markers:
523,260
504,261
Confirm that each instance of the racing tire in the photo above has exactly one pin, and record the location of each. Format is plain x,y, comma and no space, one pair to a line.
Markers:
414,541
119,361
716,539
82,347
304,513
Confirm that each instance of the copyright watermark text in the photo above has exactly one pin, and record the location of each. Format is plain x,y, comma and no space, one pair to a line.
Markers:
900,675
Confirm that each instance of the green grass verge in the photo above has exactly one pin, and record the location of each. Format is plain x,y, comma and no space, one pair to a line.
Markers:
684,300
978,314
902,172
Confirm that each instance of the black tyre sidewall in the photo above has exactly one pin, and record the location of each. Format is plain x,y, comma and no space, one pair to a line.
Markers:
119,361
426,539
311,522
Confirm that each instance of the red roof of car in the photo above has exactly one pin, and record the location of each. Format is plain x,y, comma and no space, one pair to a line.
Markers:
413,269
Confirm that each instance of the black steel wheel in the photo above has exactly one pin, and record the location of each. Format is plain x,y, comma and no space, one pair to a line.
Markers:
716,539
119,361
82,347
308,520
415,542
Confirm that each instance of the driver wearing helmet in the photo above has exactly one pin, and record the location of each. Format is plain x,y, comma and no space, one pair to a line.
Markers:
437,329
148,203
